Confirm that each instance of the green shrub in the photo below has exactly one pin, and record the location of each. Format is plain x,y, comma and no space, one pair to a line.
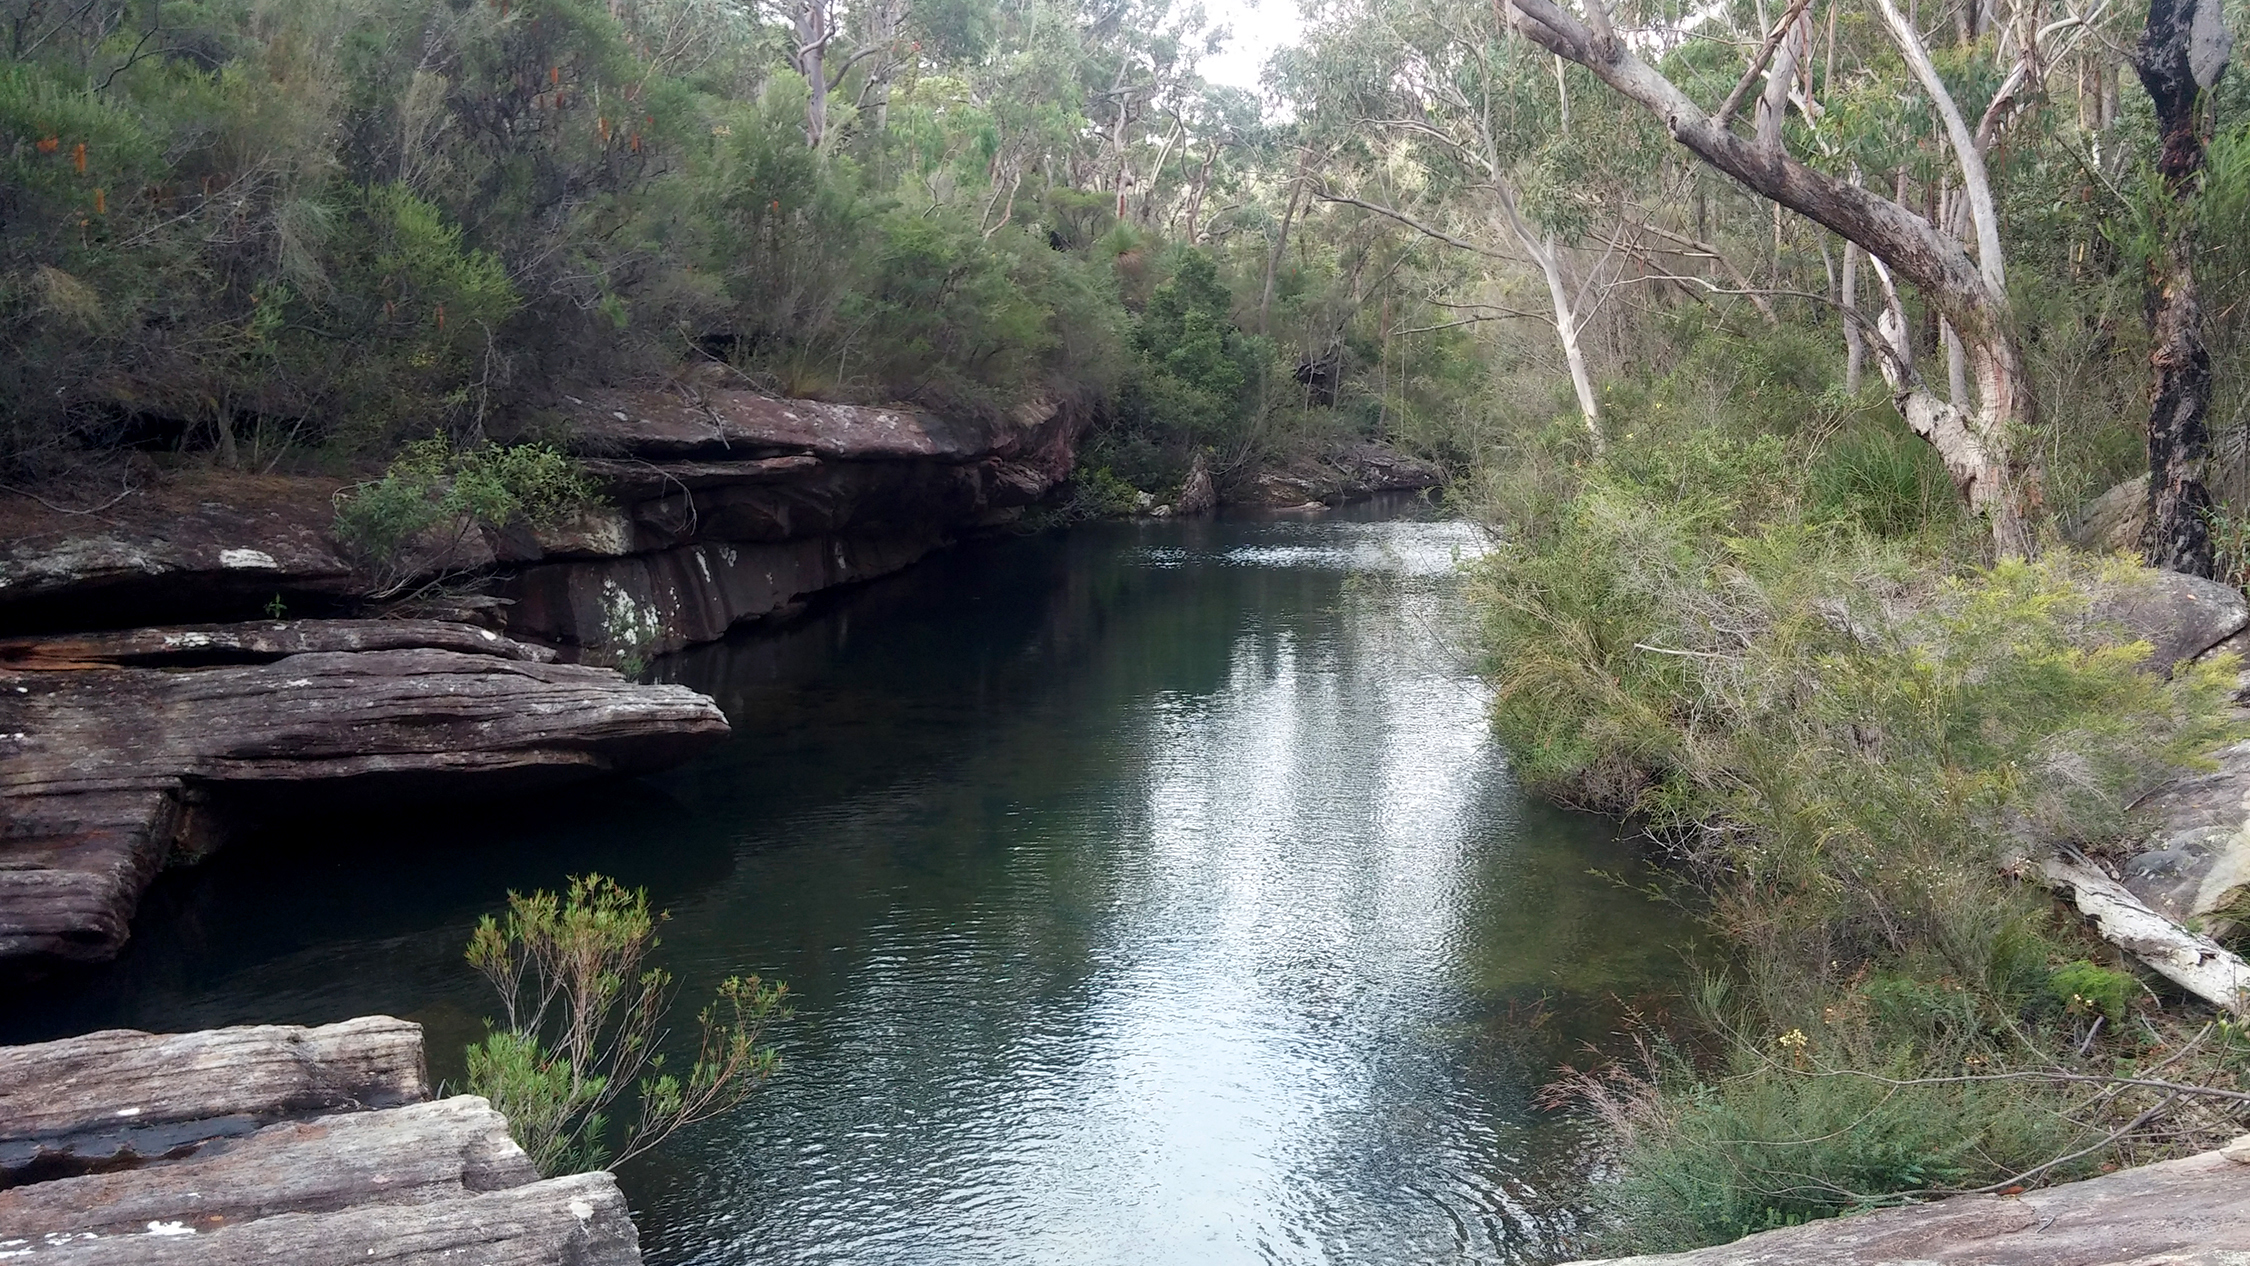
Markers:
1883,480
414,519
583,1019
1848,737
2084,989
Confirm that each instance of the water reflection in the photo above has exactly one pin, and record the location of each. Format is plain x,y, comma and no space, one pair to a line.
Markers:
1152,894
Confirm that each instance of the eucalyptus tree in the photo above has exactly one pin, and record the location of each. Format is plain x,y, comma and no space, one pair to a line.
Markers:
1422,114
1983,441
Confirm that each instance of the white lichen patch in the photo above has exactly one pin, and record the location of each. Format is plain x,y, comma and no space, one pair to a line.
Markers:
170,1228
625,622
256,559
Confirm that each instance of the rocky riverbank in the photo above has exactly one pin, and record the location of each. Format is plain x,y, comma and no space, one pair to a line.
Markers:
275,1143
146,714
124,752
2194,1211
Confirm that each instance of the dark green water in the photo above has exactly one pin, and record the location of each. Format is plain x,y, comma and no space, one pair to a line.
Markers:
1151,894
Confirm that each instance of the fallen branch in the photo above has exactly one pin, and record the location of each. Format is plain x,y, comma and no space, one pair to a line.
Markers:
2194,963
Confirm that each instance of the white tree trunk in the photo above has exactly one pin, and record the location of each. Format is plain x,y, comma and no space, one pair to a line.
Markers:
1543,251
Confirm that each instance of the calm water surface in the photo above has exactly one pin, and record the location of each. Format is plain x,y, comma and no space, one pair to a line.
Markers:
1151,894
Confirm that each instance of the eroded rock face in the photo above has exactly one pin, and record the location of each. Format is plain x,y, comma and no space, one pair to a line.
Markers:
196,547
724,505
1343,473
2174,1212
732,506
109,773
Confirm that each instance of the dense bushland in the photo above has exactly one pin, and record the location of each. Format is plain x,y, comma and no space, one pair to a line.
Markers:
1778,644
280,235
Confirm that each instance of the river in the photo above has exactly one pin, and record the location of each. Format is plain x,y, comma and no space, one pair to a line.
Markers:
1150,893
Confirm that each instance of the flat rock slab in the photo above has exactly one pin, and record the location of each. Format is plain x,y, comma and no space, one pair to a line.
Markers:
717,422
192,546
343,1157
2193,1210
106,774
122,1095
256,642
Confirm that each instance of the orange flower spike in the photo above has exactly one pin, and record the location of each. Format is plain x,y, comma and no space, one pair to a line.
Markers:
441,318
554,74
101,203
49,144
78,157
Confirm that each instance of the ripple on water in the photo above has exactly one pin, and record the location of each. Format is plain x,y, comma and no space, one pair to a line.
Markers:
1194,970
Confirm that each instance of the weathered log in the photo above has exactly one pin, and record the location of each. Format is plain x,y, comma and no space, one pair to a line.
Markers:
2189,1212
257,642
580,1220
416,1154
119,1095
2195,963
106,773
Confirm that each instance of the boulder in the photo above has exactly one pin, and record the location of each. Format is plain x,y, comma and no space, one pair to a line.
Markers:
2113,521
107,774
1343,473
2180,617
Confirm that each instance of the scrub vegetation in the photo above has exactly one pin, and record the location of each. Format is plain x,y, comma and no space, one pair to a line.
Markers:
1780,344
584,1020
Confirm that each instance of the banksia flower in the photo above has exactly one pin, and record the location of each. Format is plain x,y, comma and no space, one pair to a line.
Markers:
78,157
49,144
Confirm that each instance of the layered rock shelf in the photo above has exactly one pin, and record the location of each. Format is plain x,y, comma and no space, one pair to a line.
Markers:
275,1144
111,768
726,506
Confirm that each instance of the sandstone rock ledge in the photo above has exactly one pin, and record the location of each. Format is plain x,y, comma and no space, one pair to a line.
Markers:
275,1144
2189,1212
108,772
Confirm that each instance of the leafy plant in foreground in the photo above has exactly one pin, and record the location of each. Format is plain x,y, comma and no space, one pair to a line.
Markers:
583,1019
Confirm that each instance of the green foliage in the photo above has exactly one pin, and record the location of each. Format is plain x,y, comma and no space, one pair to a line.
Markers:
583,1020
433,495
1882,480
1780,1143
2083,988
1768,644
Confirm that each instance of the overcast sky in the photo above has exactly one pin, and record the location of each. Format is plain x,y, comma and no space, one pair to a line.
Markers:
1260,27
